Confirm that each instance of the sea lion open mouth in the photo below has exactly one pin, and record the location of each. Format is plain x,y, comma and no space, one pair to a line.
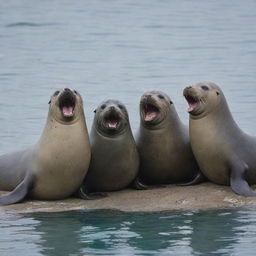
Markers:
67,103
192,102
112,121
150,111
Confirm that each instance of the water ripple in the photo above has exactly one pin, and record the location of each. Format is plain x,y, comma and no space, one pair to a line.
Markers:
29,24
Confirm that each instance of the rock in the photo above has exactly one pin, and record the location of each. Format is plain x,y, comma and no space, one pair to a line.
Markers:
199,197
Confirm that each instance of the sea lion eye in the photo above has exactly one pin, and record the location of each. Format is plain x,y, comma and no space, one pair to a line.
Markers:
217,93
75,92
120,106
160,96
171,102
56,93
204,87
103,106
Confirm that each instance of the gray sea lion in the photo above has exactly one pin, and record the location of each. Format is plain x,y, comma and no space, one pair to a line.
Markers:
56,165
225,154
115,161
163,143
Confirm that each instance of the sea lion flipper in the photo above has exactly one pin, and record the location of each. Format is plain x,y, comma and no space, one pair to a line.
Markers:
237,180
19,193
198,178
139,185
84,194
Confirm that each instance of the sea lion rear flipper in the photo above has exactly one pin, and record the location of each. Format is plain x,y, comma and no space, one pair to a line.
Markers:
84,194
237,180
19,193
199,178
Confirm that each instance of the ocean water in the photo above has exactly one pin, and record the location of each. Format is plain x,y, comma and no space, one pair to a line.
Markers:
119,49
219,232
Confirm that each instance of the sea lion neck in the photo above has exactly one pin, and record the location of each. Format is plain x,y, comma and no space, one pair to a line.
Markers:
53,127
53,119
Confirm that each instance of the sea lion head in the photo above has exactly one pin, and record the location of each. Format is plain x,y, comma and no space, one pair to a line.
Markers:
111,118
154,108
66,106
202,98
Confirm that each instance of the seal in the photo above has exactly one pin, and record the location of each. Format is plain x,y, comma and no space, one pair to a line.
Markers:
115,160
163,143
56,165
225,154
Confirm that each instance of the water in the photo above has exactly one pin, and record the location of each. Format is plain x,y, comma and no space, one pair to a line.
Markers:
220,232
120,49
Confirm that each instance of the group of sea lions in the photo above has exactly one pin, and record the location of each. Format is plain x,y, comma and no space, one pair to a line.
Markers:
65,161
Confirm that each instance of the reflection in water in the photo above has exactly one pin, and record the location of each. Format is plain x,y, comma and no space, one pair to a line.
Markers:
19,235
214,232
59,234
219,232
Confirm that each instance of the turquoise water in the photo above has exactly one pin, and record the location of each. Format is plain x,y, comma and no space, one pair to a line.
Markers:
120,49
221,232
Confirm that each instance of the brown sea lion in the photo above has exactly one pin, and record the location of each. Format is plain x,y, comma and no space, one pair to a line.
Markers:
56,165
225,154
163,143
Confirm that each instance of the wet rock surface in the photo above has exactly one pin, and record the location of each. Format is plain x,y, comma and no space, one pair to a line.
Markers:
171,197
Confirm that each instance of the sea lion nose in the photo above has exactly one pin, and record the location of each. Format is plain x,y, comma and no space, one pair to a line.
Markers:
67,90
112,108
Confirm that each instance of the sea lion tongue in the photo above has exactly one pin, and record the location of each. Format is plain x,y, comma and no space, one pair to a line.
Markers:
67,103
192,103
112,124
191,106
67,111
151,112
150,116
112,121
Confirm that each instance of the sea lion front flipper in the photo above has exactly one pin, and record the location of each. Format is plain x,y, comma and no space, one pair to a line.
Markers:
199,178
19,193
84,194
138,185
237,180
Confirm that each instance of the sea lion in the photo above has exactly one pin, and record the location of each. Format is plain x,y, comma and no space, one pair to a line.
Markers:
225,154
56,165
163,143
115,160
